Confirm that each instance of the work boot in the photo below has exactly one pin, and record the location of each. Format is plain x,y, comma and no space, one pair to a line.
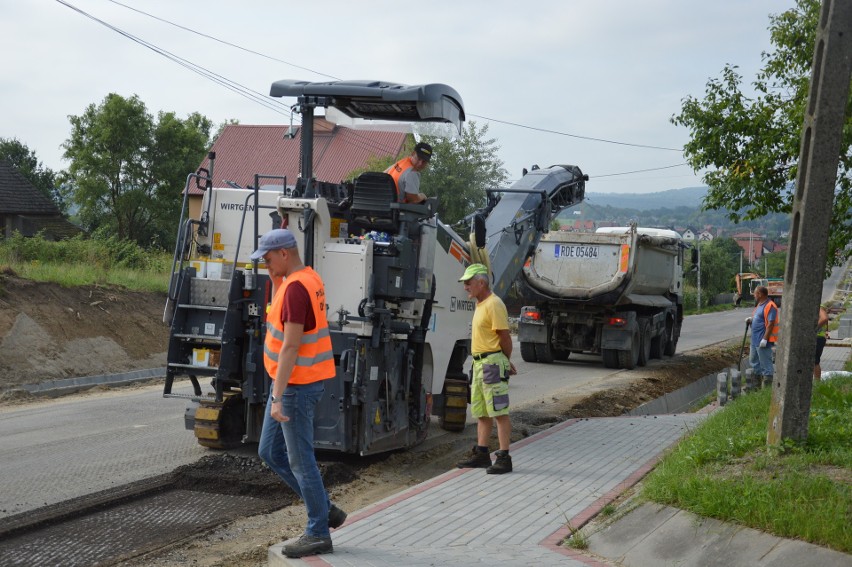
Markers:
478,458
767,381
308,545
336,517
502,465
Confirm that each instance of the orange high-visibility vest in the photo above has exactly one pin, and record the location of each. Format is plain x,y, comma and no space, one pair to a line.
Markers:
315,360
766,306
396,171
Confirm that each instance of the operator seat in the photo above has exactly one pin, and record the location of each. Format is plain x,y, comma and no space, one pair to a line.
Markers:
372,197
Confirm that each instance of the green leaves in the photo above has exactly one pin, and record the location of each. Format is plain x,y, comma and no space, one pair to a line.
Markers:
749,139
461,170
128,169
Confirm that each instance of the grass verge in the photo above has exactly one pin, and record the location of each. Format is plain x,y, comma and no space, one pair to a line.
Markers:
71,275
724,470
86,261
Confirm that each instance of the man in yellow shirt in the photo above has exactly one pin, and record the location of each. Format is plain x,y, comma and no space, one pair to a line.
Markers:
491,347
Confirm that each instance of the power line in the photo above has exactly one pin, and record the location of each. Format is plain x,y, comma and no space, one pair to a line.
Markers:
365,144
233,86
509,123
222,41
640,170
558,133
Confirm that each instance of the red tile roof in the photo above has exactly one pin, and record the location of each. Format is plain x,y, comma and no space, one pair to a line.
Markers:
243,150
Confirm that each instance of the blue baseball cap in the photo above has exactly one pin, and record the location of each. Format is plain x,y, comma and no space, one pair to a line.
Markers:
275,239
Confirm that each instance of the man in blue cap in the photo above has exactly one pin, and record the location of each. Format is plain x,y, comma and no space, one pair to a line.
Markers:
491,346
298,356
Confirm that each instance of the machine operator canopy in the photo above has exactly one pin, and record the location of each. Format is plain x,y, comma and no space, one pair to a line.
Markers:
377,100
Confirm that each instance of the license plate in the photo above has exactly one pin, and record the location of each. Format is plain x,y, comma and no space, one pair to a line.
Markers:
577,251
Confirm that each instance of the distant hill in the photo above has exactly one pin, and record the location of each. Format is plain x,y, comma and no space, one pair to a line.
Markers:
671,199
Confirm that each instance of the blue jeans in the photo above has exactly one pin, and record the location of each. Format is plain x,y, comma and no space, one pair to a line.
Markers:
288,449
761,359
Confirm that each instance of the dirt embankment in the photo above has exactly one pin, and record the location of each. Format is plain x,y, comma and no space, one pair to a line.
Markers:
48,332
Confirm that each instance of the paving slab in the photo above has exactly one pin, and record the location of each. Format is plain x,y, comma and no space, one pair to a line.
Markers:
660,535
561,476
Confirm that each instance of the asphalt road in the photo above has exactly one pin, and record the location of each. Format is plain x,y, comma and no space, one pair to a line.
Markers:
55,450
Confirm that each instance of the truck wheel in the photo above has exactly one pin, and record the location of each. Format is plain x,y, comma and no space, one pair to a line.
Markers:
671,341
544,352
528,352
610,358
630,358
657,347
644,343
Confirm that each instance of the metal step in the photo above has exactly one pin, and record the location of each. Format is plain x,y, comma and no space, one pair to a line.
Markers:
210,338
185,397
199,369
201,307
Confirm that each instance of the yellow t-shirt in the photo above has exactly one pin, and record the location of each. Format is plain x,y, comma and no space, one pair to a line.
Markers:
490,316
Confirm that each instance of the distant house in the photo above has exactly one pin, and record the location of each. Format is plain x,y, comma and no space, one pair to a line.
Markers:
688,235
578,226
25,209
705,236
244,150
751,243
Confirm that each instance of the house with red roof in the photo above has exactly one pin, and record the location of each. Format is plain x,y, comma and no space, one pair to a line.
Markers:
244,150
751,243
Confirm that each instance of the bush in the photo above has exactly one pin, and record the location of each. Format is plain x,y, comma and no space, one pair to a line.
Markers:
100,251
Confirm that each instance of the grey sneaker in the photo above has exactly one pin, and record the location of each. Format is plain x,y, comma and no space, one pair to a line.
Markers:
336,517
502,465
308,545
475,459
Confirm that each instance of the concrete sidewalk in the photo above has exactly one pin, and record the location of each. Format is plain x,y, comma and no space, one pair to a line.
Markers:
562,476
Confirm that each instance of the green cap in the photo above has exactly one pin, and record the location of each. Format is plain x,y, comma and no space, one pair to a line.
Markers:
473,270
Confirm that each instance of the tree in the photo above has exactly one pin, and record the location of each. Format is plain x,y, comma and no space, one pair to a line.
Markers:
25,161
751,143
720,261
127,169
461,170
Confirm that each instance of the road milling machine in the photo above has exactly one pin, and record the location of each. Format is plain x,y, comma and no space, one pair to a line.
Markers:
398,318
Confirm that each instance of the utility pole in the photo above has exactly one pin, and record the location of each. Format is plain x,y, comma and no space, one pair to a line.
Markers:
697,247
812,204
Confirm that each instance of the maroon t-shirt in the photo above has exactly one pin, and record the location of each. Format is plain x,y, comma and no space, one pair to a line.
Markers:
297,307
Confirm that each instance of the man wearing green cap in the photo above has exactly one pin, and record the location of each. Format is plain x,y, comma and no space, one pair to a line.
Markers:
491,347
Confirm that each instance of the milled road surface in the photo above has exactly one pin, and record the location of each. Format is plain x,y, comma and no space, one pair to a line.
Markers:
103,440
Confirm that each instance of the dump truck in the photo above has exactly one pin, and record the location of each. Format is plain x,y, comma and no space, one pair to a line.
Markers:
399,320
616,292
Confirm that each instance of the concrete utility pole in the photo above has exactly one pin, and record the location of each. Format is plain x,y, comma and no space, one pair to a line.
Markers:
812,204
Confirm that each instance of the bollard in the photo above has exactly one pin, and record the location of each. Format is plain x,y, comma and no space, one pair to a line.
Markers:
735,383
750,380
722,388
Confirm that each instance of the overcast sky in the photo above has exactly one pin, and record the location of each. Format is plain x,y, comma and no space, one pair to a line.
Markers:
615,70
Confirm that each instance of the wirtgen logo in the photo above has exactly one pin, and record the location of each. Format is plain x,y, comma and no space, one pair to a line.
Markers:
457,304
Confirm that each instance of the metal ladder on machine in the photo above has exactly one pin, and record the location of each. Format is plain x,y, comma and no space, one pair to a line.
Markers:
197,309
